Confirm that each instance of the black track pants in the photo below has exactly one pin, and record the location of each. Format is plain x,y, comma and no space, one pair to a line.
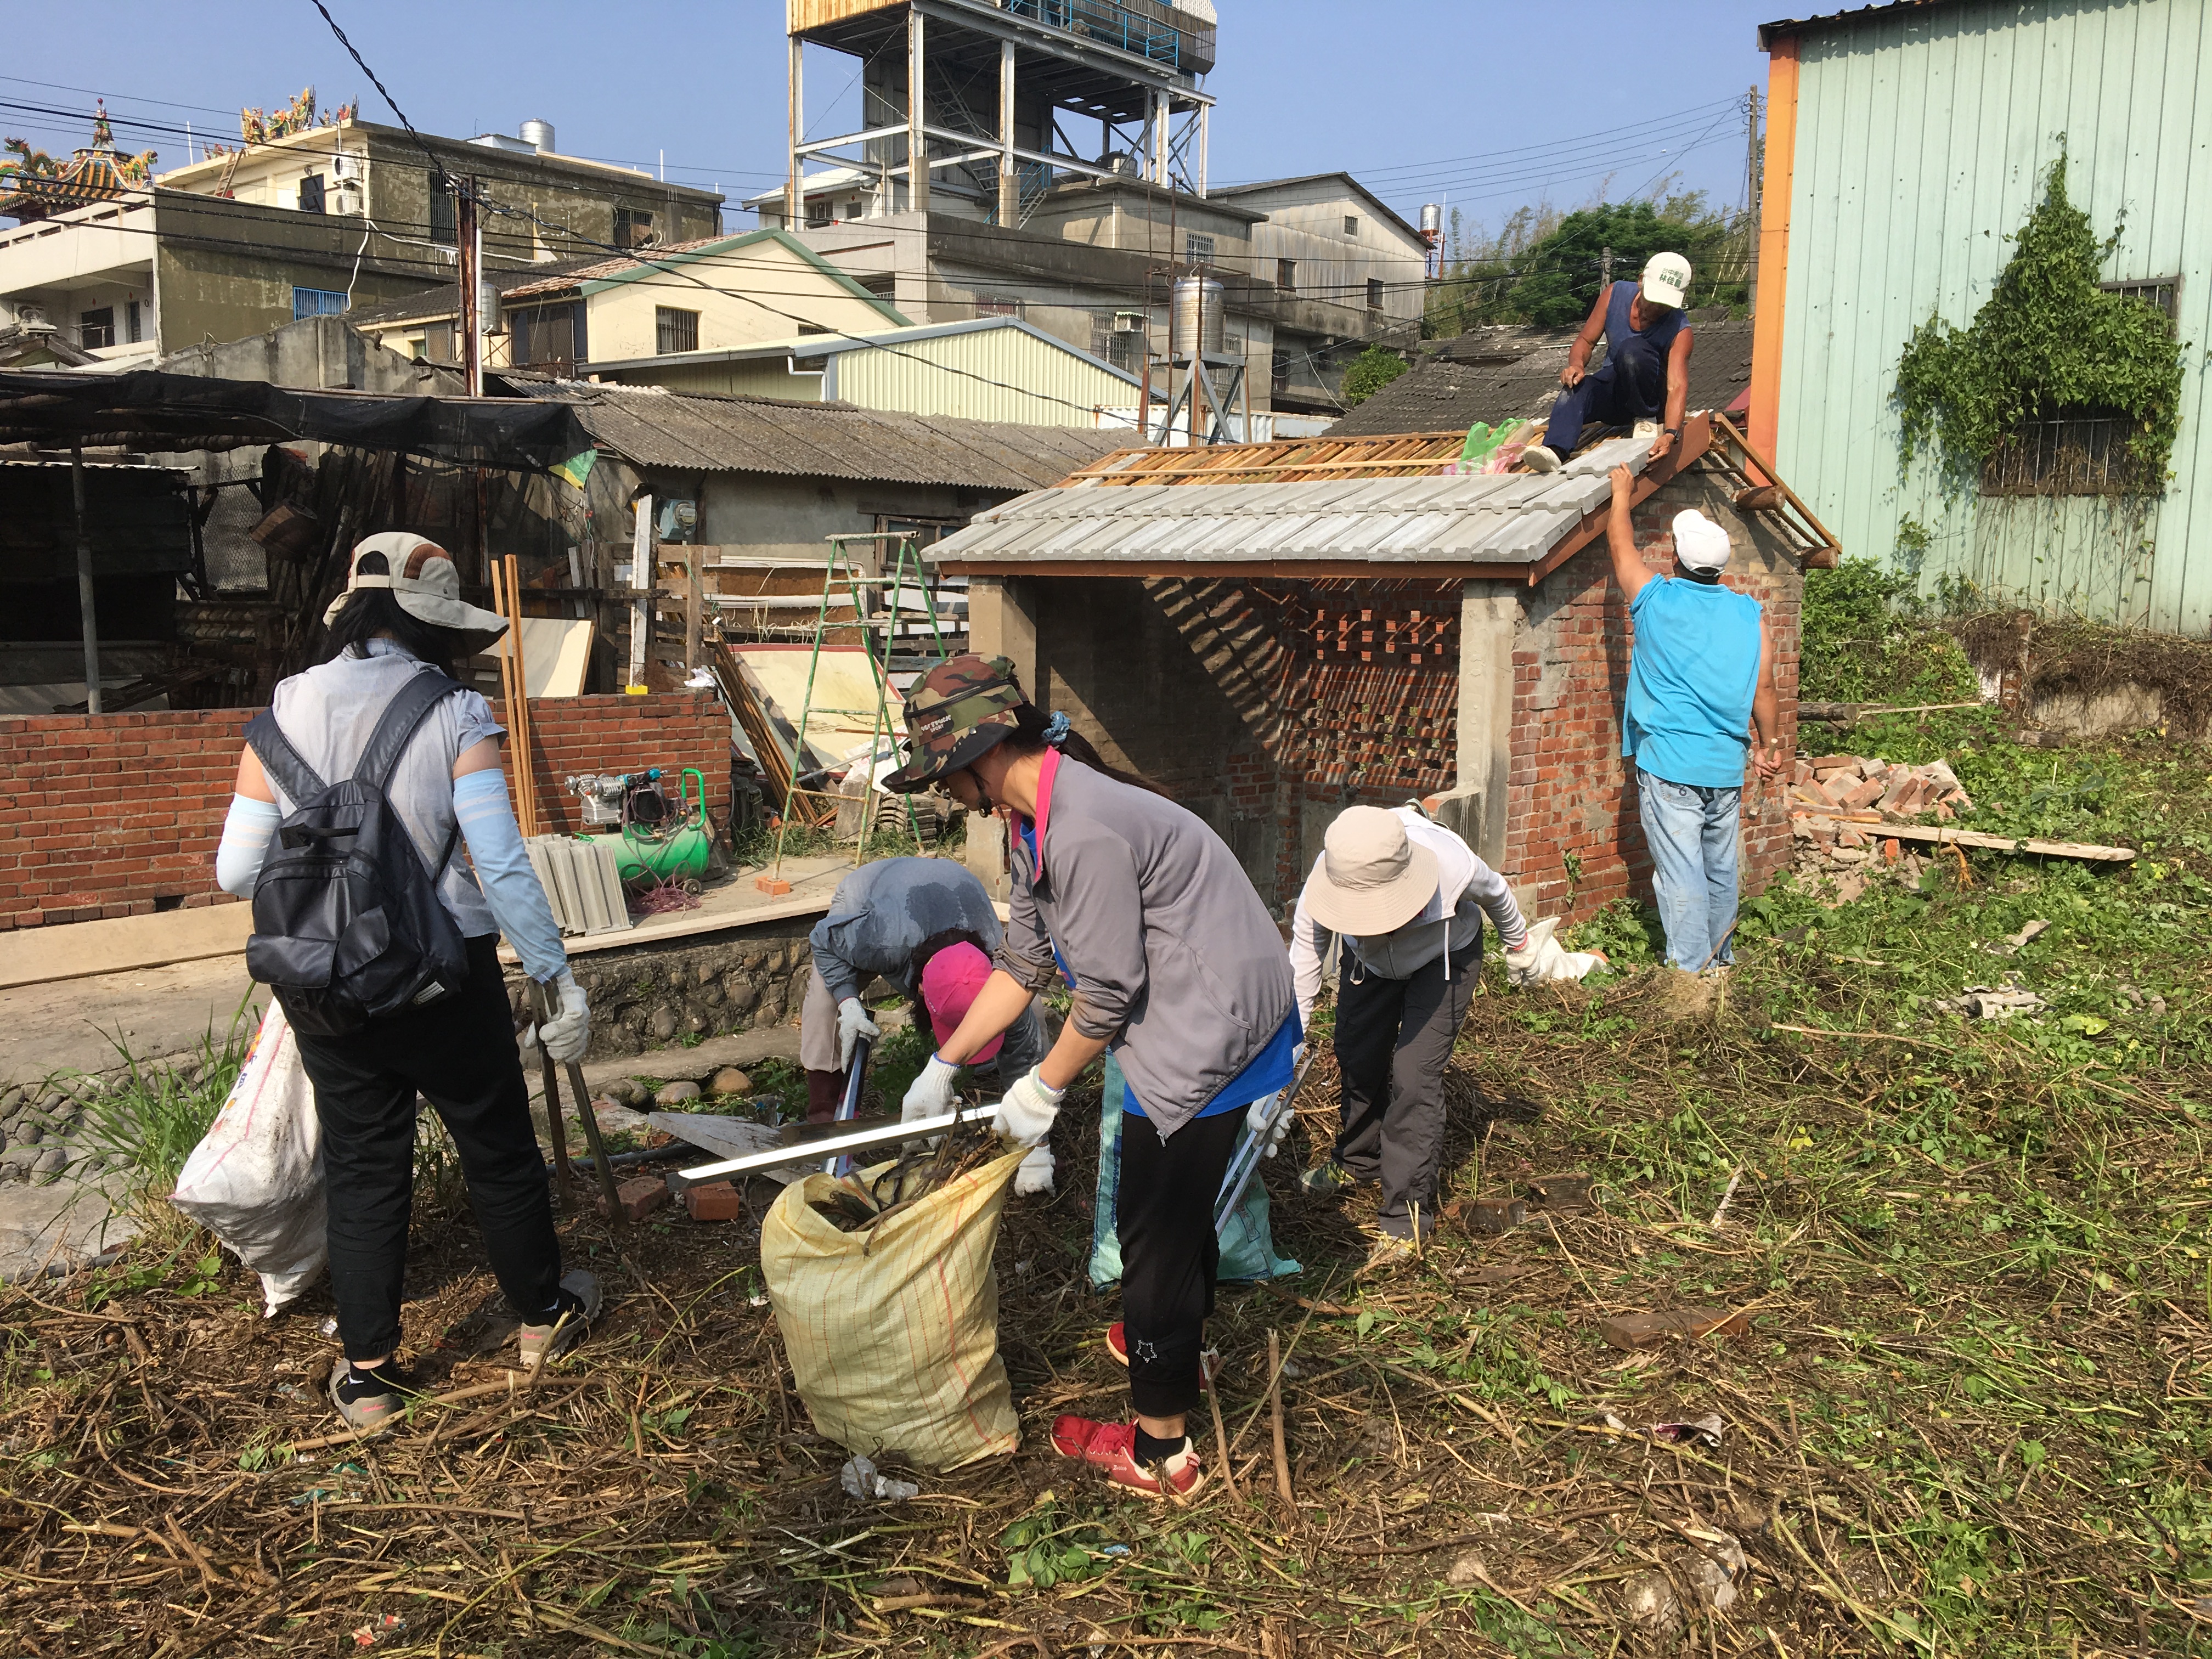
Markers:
460,1053
1170,1253
1394,1039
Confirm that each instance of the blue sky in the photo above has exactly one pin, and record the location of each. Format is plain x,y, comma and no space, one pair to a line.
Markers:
1479,104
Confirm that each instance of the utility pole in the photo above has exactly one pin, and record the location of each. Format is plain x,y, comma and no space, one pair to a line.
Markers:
1605,270
469,236
1752,204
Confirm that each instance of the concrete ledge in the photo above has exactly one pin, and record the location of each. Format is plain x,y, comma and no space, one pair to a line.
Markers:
77,950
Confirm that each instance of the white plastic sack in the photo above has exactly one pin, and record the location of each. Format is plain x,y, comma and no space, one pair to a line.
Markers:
256,1181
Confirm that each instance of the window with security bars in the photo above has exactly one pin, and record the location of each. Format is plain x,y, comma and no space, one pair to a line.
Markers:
317,302
2071,453
1287,275
2162,294
988,305
96,328
674,330
1375,293
633,228
1198,250
445,216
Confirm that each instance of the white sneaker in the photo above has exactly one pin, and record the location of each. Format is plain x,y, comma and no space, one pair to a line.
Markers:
1541,458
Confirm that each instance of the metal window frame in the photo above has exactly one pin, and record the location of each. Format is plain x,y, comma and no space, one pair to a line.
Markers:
676,317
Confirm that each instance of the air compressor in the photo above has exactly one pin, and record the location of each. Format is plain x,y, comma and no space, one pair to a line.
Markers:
654,839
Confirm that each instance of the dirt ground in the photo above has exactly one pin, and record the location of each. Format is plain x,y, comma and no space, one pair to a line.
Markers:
1955,1402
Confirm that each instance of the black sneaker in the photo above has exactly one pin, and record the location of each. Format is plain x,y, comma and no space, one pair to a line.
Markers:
370,1400
552,1334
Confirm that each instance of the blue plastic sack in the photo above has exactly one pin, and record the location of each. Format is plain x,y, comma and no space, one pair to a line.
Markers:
1247,1250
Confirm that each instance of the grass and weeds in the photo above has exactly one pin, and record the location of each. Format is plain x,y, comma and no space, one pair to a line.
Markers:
1868,636
1968,1411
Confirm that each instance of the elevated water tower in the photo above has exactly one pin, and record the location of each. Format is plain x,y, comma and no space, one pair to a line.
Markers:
975,96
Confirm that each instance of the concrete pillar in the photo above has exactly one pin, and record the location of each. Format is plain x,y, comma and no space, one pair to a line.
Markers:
1489,617
1002,621
917,115
1010,182
795,195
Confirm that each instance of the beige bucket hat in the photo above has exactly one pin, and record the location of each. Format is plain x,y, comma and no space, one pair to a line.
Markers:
423,579
1372,878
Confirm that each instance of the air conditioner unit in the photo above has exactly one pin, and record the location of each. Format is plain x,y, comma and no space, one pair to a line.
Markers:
347,167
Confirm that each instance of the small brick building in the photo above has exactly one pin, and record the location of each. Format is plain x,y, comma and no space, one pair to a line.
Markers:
1277,631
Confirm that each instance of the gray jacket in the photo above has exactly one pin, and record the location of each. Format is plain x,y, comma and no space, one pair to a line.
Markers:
884,912
1177,963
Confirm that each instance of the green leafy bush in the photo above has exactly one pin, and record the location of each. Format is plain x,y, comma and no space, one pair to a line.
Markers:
1865,640
1370,371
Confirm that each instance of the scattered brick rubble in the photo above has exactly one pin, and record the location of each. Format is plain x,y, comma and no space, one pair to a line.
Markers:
1837,806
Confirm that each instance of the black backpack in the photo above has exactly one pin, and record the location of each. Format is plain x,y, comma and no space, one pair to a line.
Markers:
347,923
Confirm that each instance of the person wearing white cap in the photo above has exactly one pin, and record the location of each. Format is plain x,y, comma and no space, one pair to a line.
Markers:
394,637
1646,369
1407,897
1700,677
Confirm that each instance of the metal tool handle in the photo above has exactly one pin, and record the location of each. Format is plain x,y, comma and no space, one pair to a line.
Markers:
584,1112
1247,1161
849,1107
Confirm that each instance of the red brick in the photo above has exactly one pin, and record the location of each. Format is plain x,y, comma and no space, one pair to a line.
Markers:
639,1198
719,1200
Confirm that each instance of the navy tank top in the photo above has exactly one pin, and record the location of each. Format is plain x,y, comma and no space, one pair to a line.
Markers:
1660,337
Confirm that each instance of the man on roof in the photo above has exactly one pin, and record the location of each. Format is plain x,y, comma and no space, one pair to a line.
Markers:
1646,370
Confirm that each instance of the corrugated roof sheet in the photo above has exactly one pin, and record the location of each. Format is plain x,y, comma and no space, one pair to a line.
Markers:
1500,374
1782,28
1486,518
663,429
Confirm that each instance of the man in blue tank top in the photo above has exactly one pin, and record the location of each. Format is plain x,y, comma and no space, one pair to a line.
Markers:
1700,676
1646,368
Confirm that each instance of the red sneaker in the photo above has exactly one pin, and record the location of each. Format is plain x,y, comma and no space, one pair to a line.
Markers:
1209,1363
1111,1448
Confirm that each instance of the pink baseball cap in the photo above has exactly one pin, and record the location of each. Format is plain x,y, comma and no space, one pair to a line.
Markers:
949,986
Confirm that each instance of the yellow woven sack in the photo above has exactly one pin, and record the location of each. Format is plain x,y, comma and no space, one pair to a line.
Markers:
893,1333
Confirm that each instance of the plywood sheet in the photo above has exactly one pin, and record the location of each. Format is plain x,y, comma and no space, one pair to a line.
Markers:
846,679
557,652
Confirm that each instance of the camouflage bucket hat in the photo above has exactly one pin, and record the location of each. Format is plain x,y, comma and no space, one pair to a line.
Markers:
961,708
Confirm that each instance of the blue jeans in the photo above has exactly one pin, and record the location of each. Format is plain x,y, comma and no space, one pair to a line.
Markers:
1629,387
1693,833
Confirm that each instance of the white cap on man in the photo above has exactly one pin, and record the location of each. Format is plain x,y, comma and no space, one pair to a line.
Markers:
1700,544
1666,280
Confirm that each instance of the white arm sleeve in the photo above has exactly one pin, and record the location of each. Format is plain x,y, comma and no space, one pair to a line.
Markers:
1488,889
1309,944
245,832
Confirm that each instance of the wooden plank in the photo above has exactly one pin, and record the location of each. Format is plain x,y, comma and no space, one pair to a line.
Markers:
694,607
818,14
1946,835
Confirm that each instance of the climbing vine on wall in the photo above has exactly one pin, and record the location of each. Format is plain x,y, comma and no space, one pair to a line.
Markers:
2048,341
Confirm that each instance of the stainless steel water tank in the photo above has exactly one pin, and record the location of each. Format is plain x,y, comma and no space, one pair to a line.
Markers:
538,135
1198,315
1432,222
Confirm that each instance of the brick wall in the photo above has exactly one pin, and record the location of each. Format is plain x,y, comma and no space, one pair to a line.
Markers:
1571,828
118,815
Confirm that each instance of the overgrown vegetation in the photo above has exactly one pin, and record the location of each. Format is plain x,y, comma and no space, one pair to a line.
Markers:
1544,267
1965,1412
1868,638
2047,342
1369,373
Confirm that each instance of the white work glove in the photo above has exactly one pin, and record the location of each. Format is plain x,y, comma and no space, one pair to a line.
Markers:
1024,1114
1537,961
1035,1175
929,1095
853,1025
1256,1123
568,1033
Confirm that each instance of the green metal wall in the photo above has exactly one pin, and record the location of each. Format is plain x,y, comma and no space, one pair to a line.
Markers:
1922,144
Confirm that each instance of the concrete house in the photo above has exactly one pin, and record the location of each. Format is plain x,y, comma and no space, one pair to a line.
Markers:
332,218
989,368
1278,631
712,295
1906,144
